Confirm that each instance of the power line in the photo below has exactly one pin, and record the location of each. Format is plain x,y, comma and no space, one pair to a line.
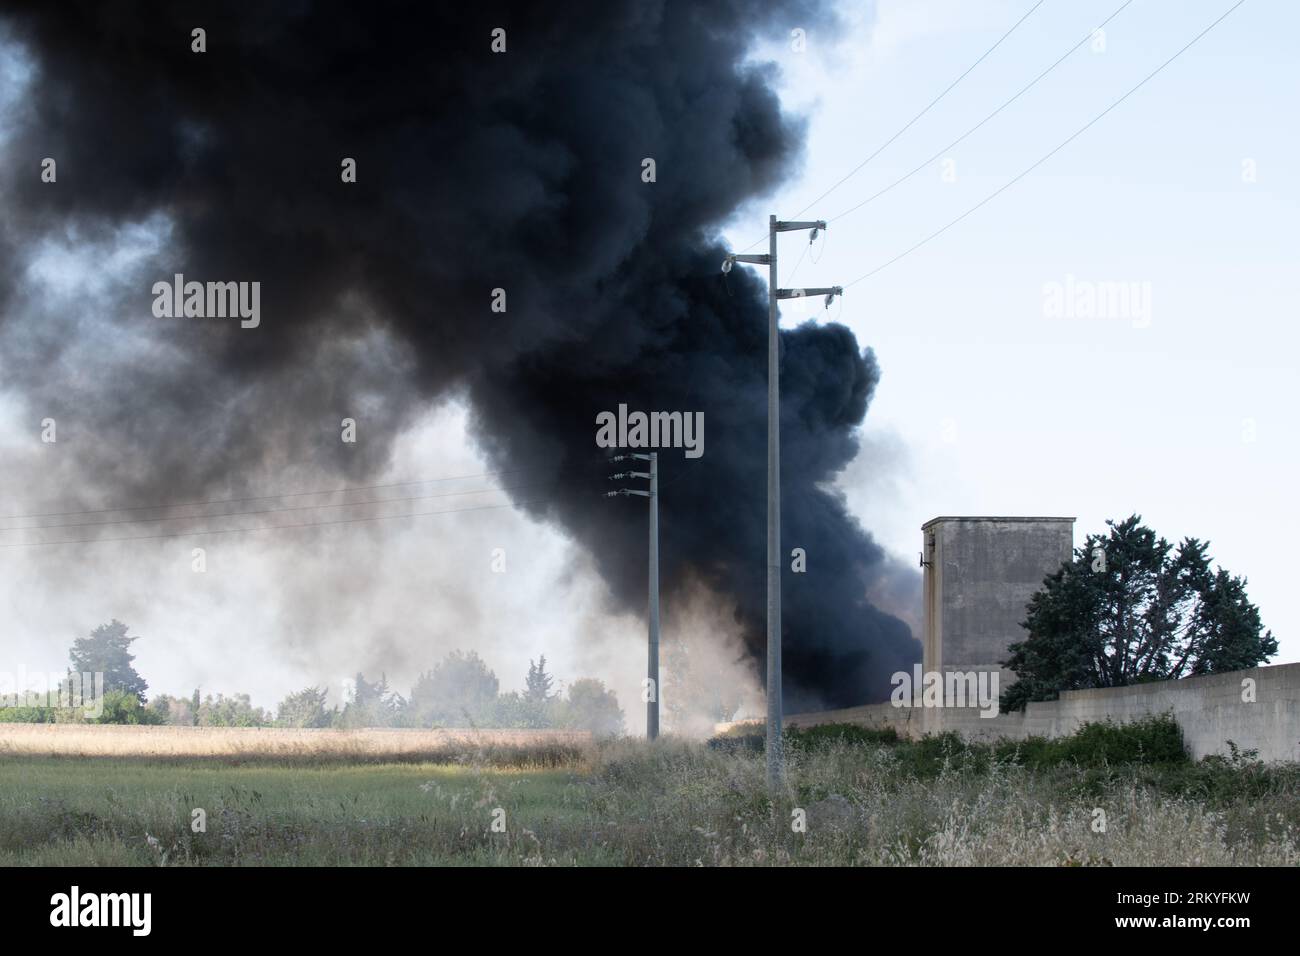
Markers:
265,511
1032,83
908,125
927,109
789,280
1005,186
281,527
267,497
283,494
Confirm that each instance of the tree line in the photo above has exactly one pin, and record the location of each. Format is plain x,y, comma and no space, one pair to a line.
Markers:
459,691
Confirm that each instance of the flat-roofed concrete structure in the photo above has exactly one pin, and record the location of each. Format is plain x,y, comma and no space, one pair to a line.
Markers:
979,573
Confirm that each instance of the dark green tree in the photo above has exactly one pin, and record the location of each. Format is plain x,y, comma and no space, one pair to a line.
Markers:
123,707
176,710
591,706
162,706
237,710
107,651
304,709
460,690
373,704
513,710
537,685
1131,608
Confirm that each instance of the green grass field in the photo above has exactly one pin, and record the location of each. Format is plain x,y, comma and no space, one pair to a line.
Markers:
56,811
865,798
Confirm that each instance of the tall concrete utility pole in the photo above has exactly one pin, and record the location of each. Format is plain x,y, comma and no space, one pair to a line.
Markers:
775,747
652,650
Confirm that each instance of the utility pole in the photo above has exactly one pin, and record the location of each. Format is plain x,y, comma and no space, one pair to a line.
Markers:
652,651
775,747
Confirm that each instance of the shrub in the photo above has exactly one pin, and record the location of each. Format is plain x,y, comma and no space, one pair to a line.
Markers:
123,707
822,734
1152,740
27,715
733,743
751,737
593,707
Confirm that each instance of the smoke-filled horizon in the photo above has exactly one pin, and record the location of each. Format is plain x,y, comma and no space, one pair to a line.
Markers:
475,171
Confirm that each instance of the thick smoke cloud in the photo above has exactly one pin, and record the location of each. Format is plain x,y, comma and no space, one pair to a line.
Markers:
476,171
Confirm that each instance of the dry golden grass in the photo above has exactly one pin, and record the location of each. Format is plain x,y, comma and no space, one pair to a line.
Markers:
672,802
546,747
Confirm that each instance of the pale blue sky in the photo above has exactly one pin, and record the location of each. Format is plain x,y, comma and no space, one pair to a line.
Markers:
989,406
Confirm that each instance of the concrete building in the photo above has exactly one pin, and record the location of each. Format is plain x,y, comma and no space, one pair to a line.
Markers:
978,575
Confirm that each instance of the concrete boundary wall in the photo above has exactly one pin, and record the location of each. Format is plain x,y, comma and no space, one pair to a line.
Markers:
1210,710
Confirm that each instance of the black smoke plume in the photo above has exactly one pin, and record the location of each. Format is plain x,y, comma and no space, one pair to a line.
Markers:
476,170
